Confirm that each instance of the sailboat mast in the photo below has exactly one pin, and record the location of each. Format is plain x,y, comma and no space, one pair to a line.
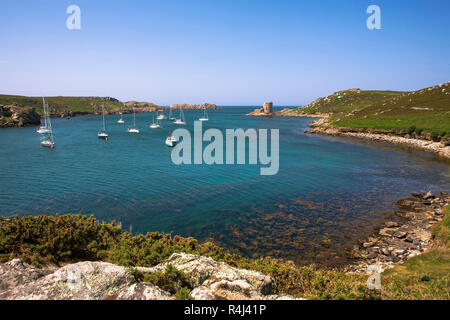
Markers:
181,114
103,109
49,124
45,112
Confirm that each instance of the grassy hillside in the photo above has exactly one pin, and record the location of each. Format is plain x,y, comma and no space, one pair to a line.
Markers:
62,105
424,112
347,100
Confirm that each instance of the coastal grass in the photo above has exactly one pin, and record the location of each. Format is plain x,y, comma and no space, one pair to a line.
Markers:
347,101
64,239
426,276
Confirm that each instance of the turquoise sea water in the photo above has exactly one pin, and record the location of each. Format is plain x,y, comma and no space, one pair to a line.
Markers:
328,192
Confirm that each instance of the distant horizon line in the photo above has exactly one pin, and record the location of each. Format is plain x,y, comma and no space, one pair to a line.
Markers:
219,105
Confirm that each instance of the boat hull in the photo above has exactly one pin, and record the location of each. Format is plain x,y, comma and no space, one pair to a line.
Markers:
49,145
171,143
42,131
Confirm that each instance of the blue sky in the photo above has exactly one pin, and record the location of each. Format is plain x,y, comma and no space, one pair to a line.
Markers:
228,52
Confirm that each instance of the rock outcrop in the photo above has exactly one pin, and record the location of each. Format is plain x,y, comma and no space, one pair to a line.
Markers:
88,280
140,107
214,280
16,115
267,111
194,106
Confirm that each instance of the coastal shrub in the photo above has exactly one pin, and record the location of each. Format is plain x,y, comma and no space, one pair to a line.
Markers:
183,294
411,129
434,136
171,280
437,135
418,131
55,238
6,112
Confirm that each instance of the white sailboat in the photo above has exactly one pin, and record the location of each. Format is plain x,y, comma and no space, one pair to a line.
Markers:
44,129
205,115
47,140
133,129
102,134
171,141
180,121
161,115
171,117
121,121
155,125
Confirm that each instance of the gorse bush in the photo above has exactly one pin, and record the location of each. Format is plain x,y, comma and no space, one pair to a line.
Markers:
56,239
171,280
418,131
411,129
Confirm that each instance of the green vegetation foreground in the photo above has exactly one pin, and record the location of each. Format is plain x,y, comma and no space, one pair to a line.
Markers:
71,238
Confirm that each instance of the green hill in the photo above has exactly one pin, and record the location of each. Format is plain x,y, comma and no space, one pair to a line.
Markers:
65,105
347,100
425,112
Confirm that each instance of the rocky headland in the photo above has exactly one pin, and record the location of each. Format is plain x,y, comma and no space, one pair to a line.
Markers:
267,111
16,115
208,106
140,107
209,280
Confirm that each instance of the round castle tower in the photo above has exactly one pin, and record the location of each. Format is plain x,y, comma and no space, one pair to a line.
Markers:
267,107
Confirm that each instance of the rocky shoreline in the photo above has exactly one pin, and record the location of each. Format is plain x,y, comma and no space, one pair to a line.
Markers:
441,148
405,235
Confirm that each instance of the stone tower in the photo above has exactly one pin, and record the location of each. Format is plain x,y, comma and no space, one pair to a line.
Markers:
267,107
